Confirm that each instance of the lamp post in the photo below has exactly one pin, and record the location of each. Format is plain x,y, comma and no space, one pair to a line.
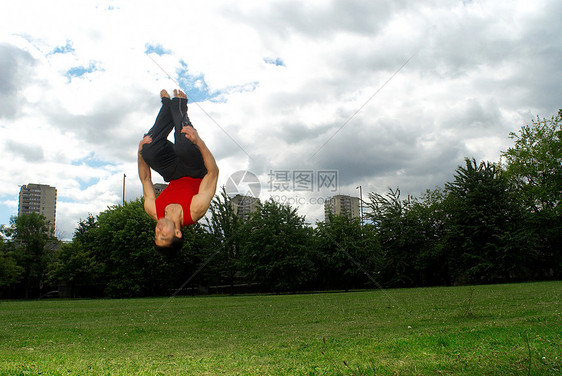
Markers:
360,203
124,176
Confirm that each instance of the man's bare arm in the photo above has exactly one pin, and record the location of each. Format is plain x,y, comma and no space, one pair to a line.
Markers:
201,201
145,177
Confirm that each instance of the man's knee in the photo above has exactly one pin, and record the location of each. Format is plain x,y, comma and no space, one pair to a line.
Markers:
147,153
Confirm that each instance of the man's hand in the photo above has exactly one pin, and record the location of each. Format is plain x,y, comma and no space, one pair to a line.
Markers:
191,134
146,140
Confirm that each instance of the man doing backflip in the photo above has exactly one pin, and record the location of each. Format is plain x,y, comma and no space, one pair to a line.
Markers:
188,166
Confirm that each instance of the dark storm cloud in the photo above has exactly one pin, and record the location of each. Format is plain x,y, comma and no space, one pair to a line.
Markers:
513,62
396,150
29,153
540,53
317,20
476,117
295,132
95,127
15,72
368,149
226,145
393,157
514,56
108,127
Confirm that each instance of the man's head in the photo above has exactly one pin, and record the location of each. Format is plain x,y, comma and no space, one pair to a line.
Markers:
167,237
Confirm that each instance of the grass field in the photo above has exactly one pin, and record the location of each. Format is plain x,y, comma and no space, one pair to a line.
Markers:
511,329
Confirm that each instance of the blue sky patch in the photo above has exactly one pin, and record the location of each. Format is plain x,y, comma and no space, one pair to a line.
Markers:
68,48
86,183
194,85
274,61
6,211
197,90
81,71
91,161
157,49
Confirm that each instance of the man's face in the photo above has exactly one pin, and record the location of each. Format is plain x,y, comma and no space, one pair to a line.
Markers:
164,232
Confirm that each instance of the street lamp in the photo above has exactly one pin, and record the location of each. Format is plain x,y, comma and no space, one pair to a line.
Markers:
124,176
360,203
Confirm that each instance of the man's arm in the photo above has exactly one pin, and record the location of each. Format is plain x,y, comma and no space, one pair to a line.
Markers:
201,201
146,180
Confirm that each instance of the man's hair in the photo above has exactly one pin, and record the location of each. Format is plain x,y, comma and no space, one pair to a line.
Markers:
171,249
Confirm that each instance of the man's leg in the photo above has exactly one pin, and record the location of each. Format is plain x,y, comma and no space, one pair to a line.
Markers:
164,121
191,159
159,154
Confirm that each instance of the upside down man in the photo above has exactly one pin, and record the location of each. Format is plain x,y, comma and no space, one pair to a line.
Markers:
186,164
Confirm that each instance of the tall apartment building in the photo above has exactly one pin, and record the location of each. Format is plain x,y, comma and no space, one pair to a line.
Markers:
40,199
342,205
244,205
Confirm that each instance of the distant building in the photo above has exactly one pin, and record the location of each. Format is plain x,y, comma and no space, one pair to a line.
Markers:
40,199
342,205
159,187
243,206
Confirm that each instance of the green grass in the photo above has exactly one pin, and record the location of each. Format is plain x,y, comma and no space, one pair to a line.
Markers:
511,329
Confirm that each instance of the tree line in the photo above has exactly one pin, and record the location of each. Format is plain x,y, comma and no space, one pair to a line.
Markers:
494,222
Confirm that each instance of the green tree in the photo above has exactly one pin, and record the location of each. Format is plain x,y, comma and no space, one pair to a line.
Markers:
33,250
113,255
84,233
9,270
428,219
74,268
484,229
401,237
534,164
223,241
122,243
277,250
347,253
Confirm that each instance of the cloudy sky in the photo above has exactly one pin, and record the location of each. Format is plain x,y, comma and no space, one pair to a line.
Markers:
378,93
